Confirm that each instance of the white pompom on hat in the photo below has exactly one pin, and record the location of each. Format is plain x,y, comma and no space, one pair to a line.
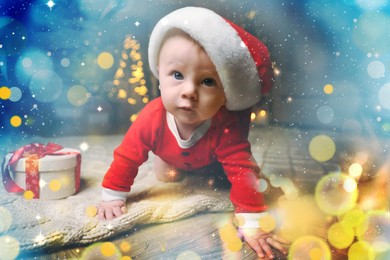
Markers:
241,60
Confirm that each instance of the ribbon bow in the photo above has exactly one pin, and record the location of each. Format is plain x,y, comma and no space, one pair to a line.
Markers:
32,153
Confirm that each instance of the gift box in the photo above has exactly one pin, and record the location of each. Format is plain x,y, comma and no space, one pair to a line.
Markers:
46,171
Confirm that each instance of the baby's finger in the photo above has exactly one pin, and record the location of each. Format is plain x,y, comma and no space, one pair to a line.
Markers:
266,247
117,212
255,245
108,214
280,239
101,214
275,244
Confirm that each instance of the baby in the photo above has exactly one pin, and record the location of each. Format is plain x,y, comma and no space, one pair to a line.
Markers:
210,72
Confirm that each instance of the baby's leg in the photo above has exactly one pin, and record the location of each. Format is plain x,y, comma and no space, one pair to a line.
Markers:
166,172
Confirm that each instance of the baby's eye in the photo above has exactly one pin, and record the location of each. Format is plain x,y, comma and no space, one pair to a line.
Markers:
177,75
209,82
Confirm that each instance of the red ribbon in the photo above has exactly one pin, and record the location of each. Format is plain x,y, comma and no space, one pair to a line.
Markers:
32,153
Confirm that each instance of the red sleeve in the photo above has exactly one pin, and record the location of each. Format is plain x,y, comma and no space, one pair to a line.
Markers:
134,149
234,153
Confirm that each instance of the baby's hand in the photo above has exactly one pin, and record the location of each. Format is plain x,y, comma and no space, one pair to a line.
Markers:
108,210
261,242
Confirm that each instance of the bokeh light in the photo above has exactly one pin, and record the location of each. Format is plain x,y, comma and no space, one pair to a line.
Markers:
188,254
383,95
28,195
101,250
371,32
125,246
16,94
9,247
5,219
376,69
77,95
228,234
309,247
322,148
328,89
371,4
267,223
375,230
353,218
16,121
331,195
325,114
91,211
355,170
361,250
5,93
262,185
340,236
55,185
31,61
105,60
45,86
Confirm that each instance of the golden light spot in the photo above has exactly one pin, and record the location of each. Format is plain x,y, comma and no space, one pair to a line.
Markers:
361,250
315,253
322,148
340,236
235,246
355,170
91,211
126,257
353,218
5,93
328,89
125,246
108,249
331,196
267,223
105,60
133,117
309,247
55,185
253,116
16,121
28,195
262,113
122,94
132,101
228,233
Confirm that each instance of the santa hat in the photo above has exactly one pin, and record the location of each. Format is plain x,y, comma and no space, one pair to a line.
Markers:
241,60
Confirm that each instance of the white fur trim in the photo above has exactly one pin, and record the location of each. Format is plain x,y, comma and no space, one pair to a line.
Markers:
251,220
110,195
231,57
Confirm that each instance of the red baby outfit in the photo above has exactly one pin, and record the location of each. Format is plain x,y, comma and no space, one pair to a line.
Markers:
222,141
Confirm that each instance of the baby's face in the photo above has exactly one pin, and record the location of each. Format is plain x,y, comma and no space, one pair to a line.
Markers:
189,83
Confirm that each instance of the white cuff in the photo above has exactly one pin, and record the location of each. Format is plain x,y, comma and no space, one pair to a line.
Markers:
249,220
110,195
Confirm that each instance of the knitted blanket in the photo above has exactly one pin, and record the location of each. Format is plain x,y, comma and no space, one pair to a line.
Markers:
40,224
